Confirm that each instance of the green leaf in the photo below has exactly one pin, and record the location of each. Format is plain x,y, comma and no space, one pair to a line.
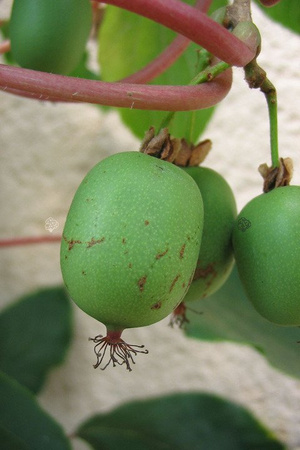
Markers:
228,315
23,424
286,12
178,422
124,48
82,70
10,441
35,333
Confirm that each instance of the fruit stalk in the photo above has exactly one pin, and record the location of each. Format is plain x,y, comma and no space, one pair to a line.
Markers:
271,97
257,78
206,75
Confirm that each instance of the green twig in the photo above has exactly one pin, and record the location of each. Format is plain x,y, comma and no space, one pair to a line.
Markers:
206,75
210,73
271,96
257,78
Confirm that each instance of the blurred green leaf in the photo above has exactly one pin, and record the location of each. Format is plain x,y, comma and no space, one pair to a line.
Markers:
128,42
228,315
82,70
178,422
23,424
286,12
10,441
35,333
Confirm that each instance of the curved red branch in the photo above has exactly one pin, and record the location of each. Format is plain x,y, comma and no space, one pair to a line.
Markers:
193,24
161,63
269,3
15,242
45,86
168,56
4,46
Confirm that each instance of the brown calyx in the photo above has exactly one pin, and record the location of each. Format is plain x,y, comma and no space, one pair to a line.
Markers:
275,177
175,150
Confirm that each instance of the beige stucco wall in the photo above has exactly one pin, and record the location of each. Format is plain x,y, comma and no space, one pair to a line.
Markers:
47,149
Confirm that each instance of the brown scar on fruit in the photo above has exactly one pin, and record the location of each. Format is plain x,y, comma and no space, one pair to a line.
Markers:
141,283
147,222
71,242
209,274
174,282
83,272
160,255
181,253
156,305
204,273
93,242
124,241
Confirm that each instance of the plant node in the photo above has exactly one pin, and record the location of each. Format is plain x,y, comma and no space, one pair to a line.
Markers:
239,11
175,150
117,350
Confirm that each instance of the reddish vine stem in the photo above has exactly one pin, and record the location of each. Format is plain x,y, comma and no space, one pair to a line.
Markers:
269,3
193,24
15,242
4,46
45,86
163,61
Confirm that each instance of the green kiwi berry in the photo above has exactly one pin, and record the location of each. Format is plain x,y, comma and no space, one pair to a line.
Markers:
131,240
266,241
50,36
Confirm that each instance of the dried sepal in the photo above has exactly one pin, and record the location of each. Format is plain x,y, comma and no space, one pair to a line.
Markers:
175,150
199,152
275,177
159,146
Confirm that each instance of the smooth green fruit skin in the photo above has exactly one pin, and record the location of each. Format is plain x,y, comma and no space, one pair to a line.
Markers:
266,241
131,240
215,260
50,35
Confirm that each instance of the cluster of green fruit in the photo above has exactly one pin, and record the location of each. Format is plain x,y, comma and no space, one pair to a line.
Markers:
143,235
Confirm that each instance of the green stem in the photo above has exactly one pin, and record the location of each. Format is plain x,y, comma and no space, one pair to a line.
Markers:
256,77
210,73
165,123
271,96
206,75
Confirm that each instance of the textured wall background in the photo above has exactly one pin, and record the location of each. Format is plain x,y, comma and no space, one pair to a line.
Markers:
45,152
